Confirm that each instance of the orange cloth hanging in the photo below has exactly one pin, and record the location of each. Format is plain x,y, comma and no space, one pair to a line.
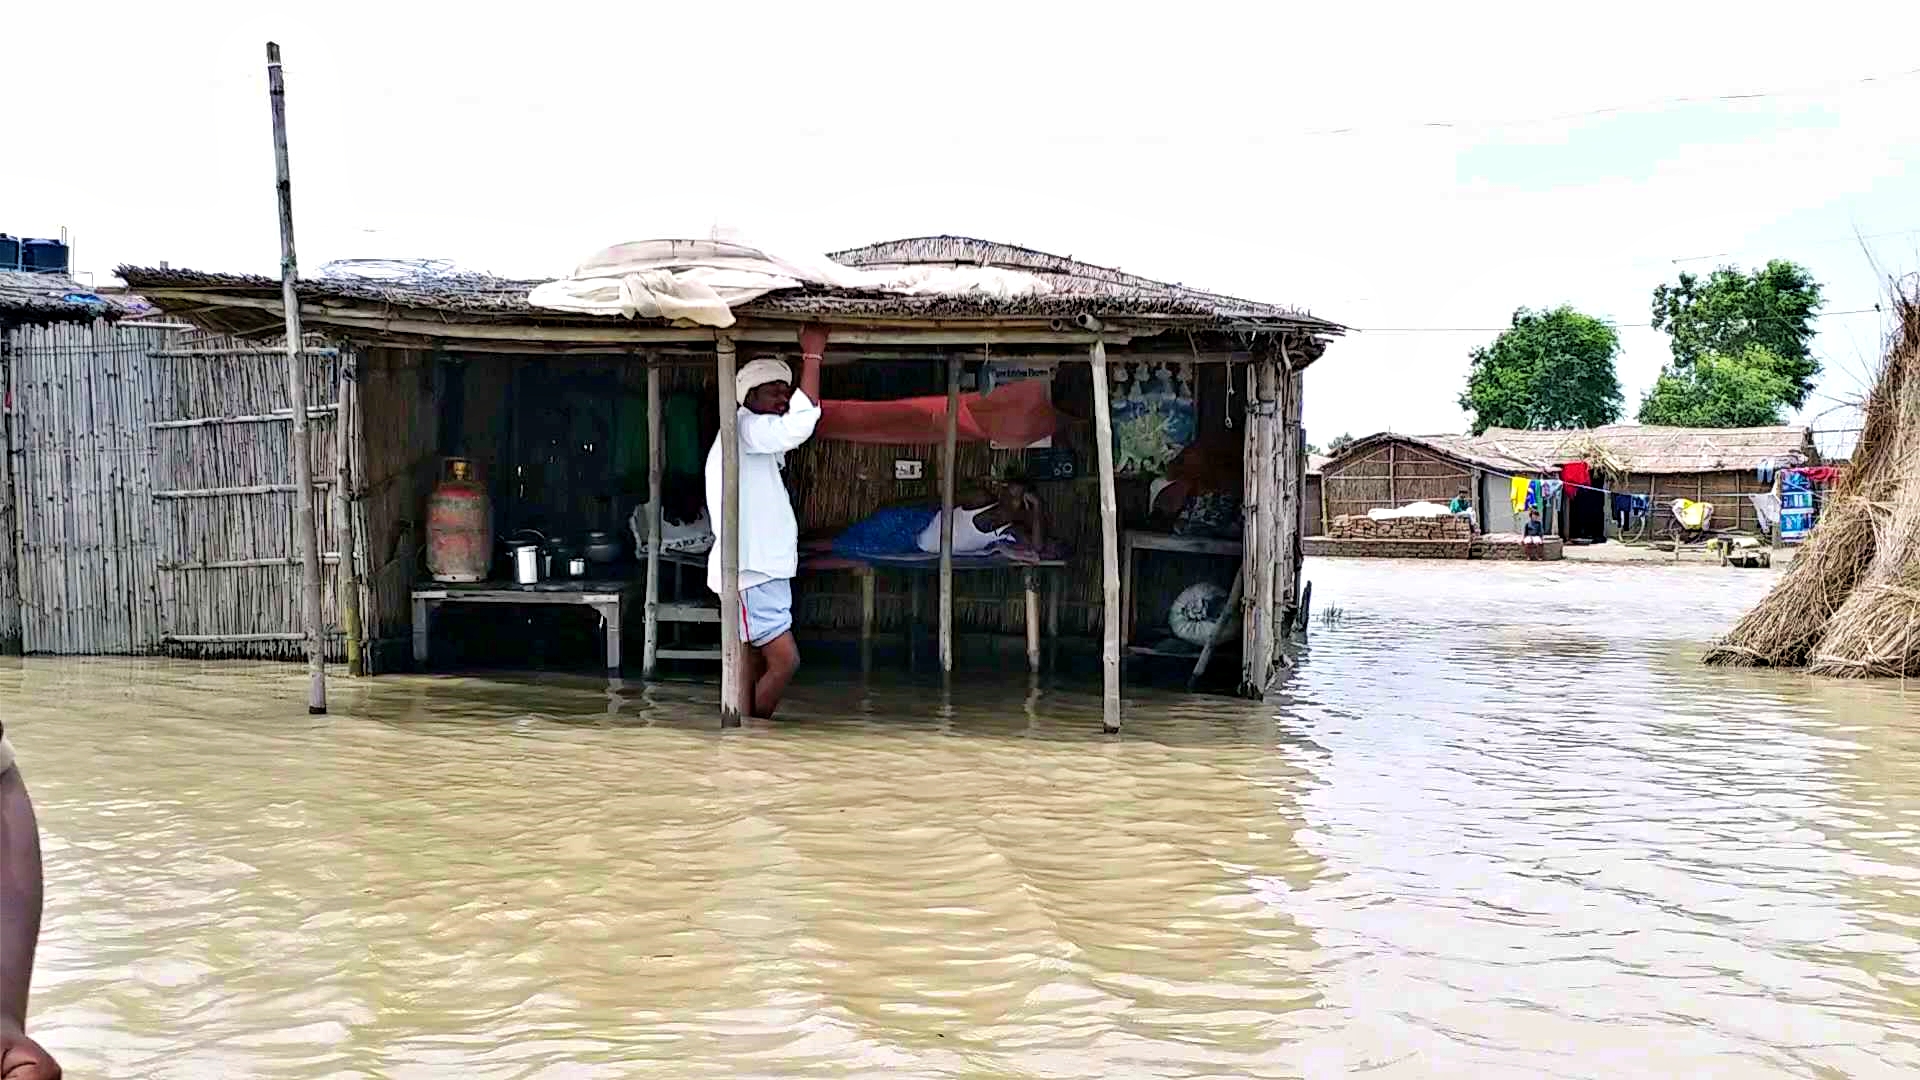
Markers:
1015,414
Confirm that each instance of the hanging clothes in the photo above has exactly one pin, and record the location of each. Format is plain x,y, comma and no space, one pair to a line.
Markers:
1577,474
1520,493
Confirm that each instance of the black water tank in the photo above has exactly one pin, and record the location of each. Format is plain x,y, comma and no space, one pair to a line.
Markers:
9,252
43,256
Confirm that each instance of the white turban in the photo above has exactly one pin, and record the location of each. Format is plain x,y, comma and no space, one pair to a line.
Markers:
764,370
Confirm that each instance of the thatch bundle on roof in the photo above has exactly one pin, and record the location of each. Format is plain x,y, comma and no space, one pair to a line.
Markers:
1850,604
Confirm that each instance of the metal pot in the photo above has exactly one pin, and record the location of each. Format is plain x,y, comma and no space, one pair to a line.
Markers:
601,547
526,564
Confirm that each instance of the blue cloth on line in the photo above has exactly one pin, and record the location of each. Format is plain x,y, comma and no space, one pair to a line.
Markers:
890,530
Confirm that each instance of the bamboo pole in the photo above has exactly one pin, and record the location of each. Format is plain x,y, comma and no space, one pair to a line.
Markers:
355,411
346,578
305,529
12,626
1109,543
1263,522
730,668
650,658
946,514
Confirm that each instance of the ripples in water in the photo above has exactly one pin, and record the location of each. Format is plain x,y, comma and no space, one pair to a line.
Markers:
1500,821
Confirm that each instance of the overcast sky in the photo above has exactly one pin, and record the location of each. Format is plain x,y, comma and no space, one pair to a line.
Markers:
1428,168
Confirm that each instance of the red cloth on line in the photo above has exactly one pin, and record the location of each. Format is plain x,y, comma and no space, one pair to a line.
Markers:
1819,474
1575,473
1015,414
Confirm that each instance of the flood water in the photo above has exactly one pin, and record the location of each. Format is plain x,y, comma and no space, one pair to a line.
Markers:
1499,823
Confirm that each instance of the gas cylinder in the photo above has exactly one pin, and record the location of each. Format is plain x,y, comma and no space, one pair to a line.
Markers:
459,526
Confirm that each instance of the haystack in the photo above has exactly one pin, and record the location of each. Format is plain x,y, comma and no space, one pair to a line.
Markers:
1850,603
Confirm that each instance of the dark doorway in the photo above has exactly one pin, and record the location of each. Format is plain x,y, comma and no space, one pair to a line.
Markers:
1586,514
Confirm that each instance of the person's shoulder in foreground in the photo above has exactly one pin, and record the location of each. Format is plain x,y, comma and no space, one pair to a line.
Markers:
20,1057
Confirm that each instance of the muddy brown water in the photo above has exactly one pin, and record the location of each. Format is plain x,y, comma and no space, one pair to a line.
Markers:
1499,823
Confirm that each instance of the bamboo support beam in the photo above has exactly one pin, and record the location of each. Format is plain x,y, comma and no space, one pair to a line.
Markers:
650,656
947,463
346,585
305,527
1109,544
1261,553
731,675
280,416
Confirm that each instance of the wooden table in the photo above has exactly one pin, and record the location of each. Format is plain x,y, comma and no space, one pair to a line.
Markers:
917,569
608,598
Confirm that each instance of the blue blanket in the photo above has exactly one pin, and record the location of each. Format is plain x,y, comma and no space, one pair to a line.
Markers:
891,530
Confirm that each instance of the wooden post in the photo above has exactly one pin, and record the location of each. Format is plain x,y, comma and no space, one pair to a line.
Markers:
1288,466
346,574
363,573
304,527
650,656
731,681
1263,638
865,574
1252,537
946,512
1030,583
1109,542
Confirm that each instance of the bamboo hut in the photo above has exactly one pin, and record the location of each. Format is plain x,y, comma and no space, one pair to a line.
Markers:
549,406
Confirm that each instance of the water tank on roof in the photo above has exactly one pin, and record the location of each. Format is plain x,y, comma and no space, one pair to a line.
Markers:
43,256
9,252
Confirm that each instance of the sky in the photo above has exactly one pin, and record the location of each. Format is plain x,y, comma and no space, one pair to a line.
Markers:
1414,172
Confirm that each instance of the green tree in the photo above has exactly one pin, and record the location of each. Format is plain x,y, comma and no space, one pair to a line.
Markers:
1772,307
1550,369
1338,443
1718,390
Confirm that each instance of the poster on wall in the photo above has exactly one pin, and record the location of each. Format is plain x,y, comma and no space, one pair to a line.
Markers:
1000,372
1154,416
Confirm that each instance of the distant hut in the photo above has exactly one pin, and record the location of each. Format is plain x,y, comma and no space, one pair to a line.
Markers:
551,405
1722,466
1388,470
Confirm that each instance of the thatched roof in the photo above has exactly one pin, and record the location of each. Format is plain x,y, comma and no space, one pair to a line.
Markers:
241,303
1645,449
1464,449
28,298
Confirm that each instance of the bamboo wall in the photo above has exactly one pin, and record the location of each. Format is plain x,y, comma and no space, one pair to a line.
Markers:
396,465
10,630
80,408
228,562
1392,474
1727,491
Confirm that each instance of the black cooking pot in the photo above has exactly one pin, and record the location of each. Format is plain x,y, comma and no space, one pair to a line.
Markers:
601,547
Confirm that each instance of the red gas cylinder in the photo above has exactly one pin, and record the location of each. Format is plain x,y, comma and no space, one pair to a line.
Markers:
459,526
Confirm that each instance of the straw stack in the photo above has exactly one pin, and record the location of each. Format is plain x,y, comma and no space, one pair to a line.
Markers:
1850,602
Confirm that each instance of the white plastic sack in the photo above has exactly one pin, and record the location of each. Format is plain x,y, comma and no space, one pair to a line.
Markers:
1411,510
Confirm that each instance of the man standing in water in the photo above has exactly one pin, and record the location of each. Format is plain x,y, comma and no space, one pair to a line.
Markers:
774,416
20,1057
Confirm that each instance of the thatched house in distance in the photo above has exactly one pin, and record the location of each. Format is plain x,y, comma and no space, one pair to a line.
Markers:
1722,466
1387,470
465,366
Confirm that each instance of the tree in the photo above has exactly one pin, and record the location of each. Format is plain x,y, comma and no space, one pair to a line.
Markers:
1338,443
1550,369
1772,307
1718,390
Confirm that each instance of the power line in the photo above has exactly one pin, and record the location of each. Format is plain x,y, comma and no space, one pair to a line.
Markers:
1608,322
1603,110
